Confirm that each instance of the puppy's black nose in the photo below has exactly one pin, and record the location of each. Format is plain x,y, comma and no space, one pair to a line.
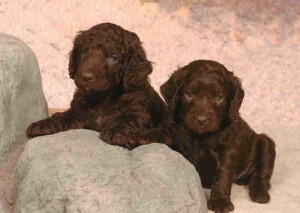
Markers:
202,120
87,77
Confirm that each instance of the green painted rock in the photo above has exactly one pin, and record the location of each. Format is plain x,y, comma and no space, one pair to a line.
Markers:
74,171
21,96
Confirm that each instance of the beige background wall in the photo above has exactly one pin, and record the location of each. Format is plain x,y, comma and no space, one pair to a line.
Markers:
258,39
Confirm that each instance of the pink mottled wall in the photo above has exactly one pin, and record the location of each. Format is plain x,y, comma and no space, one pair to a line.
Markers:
258,39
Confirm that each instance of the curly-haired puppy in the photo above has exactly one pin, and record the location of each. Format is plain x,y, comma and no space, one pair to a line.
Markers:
113,96
204,100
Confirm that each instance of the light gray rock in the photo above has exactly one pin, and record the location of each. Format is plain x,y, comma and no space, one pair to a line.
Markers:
75,171
21,96
3,206
2,209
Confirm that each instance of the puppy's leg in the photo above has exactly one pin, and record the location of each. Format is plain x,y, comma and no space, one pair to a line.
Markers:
155,135
206,162
260,181
164,134
219,200
56,123
119,129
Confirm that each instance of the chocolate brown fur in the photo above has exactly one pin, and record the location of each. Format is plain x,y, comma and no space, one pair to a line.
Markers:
205,126
113,95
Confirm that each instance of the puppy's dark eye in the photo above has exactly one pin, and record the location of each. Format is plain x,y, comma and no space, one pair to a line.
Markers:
113,59
220,98
188,94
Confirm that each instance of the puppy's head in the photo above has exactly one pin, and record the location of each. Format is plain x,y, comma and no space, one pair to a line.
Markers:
106,56
203,96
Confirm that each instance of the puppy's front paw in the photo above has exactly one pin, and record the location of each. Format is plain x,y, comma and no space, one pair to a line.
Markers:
118,139
106,135
43,127
220,205
259,196
258,190
114,138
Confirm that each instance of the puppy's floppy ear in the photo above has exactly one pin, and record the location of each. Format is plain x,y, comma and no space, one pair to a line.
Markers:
137,68
73,59
237,95
170,89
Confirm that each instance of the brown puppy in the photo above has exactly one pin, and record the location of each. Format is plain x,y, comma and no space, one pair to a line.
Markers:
113,96
204,100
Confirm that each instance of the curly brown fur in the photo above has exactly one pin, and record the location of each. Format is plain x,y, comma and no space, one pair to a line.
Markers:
204,100
113,96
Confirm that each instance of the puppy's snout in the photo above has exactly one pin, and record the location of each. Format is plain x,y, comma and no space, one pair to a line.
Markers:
202,120
87,77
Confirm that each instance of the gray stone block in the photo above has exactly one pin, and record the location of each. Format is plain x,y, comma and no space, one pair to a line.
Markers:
1,208
21,96
4,207
74,171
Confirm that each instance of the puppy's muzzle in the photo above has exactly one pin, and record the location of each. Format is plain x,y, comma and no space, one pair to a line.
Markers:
87,78
202,120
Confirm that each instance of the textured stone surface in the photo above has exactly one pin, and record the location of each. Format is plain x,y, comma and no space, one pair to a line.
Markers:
74,171
1,208
21,96
4,207
7,186
1,202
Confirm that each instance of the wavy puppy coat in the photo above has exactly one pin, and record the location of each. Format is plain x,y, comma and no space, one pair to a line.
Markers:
204,100
113,96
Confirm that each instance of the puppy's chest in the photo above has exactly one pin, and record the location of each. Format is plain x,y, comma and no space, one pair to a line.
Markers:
210,142
99,113
204,148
